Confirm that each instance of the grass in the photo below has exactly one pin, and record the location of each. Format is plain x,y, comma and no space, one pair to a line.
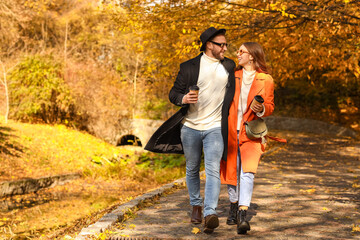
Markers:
111,175
35,150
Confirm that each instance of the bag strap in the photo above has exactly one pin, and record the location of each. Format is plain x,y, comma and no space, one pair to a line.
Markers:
283,140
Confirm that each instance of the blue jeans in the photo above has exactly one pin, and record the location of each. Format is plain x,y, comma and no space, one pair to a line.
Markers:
243,193
194,141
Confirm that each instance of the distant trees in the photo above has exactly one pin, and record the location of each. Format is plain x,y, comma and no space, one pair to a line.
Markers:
73,67
119,58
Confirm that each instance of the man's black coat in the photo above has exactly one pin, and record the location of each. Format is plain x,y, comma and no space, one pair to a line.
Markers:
167,138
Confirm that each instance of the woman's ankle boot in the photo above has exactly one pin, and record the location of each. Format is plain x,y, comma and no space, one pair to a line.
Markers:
242,225
231,220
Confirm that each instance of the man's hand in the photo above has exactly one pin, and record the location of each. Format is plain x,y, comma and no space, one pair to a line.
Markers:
190,97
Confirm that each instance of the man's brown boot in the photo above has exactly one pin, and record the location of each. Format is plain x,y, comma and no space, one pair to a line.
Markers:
196,215
211,222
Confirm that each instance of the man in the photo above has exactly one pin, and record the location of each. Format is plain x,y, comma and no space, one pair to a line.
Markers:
201,123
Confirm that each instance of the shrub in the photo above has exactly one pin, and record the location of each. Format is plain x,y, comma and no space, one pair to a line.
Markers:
38,92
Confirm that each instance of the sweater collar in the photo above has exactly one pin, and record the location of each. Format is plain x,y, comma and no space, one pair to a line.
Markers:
210,59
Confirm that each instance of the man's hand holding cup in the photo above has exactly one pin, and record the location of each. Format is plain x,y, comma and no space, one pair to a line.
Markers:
192,95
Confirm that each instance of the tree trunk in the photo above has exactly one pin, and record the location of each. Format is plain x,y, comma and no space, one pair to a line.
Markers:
65,48
7,98
4,82
135,79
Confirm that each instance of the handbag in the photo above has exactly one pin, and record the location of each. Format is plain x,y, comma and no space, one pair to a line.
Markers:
256,130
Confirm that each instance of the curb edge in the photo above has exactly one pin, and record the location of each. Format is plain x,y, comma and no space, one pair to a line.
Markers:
116,215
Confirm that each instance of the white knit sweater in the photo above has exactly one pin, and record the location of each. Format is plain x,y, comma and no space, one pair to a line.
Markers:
206,113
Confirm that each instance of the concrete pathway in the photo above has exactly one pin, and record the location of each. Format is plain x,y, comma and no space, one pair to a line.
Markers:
309,189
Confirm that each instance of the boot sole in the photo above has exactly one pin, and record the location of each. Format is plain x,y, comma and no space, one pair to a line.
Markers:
211,224
243,228
232,222
196,222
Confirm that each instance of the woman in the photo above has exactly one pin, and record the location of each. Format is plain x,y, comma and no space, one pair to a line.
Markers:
243,156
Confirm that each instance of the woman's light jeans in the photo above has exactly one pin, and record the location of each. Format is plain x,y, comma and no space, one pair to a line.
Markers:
244,194
194,141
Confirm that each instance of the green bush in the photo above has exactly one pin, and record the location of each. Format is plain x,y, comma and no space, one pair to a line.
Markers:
38,91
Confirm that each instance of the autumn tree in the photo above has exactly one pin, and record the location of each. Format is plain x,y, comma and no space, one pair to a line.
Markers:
311,46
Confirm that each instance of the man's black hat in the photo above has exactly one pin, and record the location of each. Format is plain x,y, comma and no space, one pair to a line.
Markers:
208,34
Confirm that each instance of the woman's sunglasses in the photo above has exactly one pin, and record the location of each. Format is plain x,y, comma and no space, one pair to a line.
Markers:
241,52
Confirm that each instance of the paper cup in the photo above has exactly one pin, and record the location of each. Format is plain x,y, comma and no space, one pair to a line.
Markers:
258,100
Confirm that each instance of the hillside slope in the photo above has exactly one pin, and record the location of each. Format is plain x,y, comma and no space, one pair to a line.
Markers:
110,176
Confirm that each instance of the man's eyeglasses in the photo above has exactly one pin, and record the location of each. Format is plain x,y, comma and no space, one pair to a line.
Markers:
222,45
241,52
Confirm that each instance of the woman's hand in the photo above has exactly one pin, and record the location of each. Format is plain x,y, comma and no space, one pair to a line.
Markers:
257,108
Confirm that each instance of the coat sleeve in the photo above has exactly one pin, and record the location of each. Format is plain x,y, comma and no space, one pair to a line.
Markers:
269,96
179,89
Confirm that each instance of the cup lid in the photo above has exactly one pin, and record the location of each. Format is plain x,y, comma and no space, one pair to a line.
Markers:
259,98
194,87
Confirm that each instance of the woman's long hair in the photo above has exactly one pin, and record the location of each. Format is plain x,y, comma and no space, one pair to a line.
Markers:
257,52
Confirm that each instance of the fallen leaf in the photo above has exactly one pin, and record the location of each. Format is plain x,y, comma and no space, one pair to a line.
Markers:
195,230
355,228
276,186
309,191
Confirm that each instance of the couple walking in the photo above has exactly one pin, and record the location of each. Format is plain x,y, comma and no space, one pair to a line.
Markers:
212,121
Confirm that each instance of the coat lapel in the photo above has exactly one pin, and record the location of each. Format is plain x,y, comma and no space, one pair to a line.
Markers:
238,82
227,65
195,70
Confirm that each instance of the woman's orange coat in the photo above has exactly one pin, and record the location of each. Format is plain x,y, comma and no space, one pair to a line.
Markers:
251,151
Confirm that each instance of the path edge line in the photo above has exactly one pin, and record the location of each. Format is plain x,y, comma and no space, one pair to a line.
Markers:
117,215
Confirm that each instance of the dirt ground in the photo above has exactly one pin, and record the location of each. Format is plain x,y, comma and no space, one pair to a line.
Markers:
307,189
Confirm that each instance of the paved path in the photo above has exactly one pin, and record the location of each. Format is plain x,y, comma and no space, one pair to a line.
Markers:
309,189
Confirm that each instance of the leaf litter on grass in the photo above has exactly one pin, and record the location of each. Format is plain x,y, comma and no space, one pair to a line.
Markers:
111,176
